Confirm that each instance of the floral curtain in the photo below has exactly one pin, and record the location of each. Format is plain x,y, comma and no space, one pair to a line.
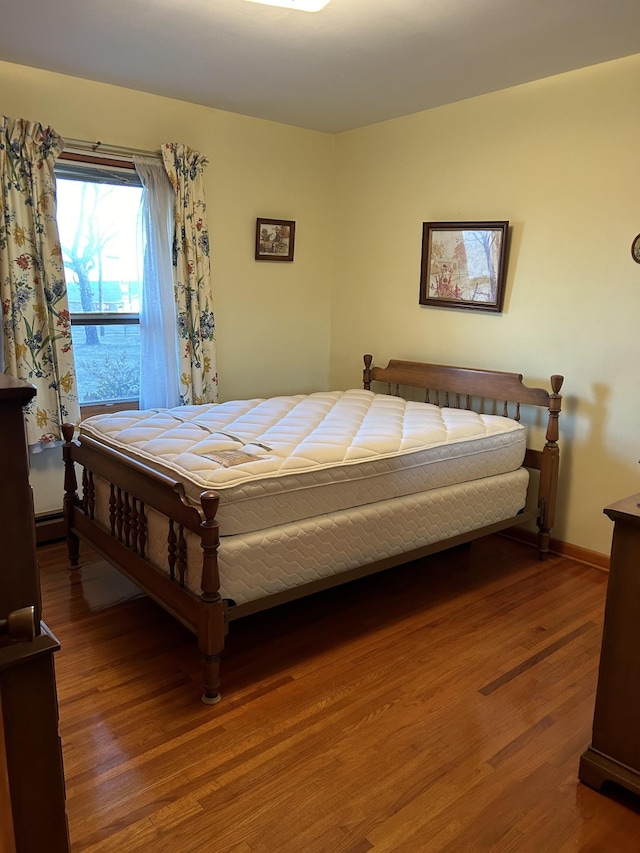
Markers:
36,328
191,271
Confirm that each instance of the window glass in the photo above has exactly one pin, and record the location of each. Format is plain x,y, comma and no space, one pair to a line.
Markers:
99,234
108,371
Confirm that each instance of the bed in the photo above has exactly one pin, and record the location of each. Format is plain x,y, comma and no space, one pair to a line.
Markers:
222,510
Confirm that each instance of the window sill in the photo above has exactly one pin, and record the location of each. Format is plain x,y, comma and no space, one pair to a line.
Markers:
91,409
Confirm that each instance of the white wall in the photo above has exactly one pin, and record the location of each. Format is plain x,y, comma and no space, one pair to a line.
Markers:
557,158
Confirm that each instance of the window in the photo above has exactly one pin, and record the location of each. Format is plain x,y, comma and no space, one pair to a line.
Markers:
98,212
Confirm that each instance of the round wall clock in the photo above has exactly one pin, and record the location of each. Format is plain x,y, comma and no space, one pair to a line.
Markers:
635,249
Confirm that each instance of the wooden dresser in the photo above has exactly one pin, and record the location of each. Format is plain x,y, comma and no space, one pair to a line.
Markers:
32,797
614,753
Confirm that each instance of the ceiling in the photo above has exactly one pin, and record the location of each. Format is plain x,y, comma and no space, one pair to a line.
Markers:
357,62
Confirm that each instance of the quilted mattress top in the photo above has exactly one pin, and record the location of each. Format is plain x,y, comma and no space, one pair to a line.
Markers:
274,460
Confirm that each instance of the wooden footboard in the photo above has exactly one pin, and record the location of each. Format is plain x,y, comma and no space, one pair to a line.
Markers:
135,489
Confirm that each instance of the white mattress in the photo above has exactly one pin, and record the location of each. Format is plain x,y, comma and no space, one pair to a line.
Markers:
286,459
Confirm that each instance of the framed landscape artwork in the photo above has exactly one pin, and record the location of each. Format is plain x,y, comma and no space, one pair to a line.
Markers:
463,264
274,239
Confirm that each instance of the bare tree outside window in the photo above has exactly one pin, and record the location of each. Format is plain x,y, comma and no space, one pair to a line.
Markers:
98,226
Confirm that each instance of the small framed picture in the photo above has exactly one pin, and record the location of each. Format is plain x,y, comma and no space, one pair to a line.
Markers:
275,239
635,249
463,264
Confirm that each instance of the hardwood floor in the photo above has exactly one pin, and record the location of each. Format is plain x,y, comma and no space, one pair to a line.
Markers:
440,706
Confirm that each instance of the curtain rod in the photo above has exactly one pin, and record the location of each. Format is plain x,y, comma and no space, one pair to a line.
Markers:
106,149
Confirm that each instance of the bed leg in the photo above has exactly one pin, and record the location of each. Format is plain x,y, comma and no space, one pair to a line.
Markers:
211,695
211,629
71,499
544,537
544,532
73,549
211,644
548,487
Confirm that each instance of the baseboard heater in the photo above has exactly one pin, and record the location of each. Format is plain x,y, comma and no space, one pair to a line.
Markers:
49,527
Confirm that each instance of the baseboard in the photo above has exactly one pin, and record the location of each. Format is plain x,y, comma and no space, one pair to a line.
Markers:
49,527
562,549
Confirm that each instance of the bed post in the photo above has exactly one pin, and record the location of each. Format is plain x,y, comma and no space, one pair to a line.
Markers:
366,373
71,499
212,622
549,470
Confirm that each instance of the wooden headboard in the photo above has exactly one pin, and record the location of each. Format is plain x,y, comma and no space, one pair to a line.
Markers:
458,387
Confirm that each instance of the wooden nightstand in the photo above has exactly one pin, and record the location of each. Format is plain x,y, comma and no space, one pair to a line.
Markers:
614,754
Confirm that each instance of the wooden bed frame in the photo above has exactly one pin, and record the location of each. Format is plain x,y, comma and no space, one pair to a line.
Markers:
135,487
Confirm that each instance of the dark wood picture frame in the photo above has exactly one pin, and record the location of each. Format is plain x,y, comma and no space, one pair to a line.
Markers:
275,239
464,264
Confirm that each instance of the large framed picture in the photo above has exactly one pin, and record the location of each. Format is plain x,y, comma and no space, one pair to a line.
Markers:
274,239
463,264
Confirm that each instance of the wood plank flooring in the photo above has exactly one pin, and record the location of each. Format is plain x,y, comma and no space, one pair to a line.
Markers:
439,706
